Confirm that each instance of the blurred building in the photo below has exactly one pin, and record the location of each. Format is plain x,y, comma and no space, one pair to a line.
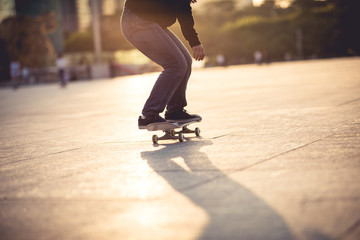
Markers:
82,11
70,17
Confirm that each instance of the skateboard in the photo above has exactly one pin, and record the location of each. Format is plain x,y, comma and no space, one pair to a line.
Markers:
169,129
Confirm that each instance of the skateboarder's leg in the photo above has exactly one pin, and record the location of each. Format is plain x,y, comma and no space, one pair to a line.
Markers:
154,42
175,107
178,100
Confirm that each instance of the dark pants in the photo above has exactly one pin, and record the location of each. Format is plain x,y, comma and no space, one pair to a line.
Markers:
61,73
165,49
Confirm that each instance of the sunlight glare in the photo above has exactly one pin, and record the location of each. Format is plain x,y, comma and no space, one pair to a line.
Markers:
257,3
283,3
280,3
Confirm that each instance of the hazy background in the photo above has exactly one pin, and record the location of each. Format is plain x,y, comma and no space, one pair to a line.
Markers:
35,32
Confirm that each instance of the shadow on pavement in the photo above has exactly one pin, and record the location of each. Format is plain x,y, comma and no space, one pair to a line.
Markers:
234,212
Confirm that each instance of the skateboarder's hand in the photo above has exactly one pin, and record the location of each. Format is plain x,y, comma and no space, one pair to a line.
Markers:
198,52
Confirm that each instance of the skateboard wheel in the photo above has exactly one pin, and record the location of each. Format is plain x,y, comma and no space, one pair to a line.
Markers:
155,139
181,137
197,132
172,132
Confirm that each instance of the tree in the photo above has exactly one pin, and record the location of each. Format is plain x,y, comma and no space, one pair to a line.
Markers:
111,36
111,33
27,38
347,13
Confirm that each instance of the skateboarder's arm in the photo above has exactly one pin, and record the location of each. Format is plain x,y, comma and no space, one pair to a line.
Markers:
186,20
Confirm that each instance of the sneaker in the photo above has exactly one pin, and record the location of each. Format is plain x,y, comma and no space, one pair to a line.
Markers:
182,116
149,119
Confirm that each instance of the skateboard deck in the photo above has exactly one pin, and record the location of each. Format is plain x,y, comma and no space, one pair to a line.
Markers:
165,126
169,129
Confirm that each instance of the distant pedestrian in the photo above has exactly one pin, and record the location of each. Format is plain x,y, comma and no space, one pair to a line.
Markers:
25,74
15,72
221,59
85,65
287,56
258,57
145,25
61,64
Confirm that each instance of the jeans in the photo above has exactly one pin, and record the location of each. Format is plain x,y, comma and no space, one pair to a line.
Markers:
165,49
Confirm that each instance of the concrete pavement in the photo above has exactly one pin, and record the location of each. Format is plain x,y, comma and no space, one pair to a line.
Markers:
279,158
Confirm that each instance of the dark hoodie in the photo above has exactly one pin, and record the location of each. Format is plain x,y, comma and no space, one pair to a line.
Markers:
165,13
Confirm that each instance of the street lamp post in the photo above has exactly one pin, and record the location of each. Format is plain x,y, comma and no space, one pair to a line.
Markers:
96,30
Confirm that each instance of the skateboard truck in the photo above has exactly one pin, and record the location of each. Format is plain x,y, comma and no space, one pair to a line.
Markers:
171,133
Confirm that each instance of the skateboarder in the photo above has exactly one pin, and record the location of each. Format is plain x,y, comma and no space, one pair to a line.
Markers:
145,25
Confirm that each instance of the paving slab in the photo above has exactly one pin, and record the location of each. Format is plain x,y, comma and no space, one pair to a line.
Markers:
278,158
